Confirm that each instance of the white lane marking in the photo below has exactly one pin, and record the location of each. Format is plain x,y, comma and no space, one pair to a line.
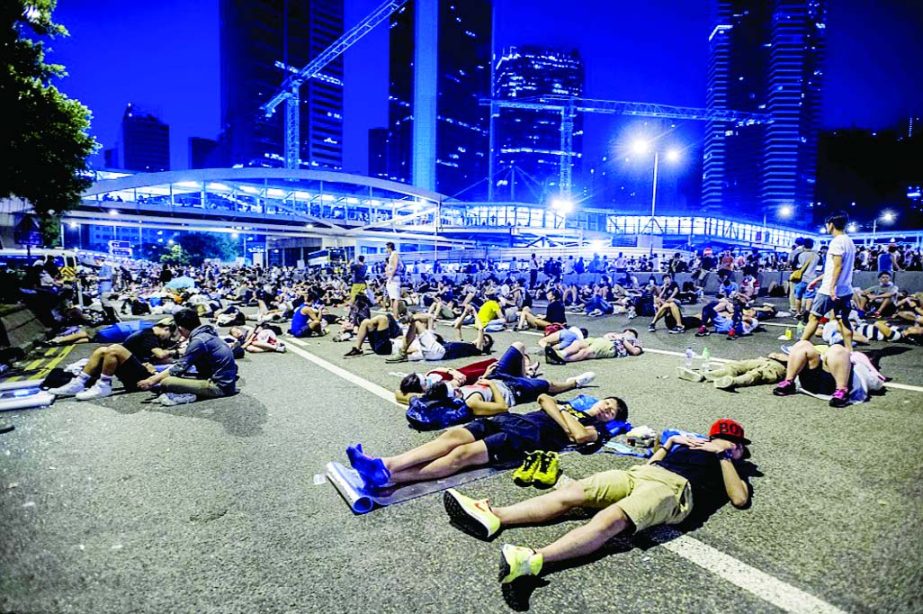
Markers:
350,377
738,573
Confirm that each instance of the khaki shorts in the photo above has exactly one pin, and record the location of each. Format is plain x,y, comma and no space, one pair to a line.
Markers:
601,347
648,494
355,290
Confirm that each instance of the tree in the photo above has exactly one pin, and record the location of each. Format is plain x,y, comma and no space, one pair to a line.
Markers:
204,246
45,136
175,256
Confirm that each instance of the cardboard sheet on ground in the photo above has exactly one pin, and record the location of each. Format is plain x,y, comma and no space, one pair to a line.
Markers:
361,501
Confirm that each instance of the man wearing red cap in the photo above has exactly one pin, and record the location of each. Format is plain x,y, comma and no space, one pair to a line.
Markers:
683,471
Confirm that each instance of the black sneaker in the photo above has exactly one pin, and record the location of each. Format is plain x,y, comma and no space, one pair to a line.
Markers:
552,357
651,328
677,330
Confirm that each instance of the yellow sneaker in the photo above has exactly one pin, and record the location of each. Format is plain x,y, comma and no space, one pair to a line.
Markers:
523,475
516,562
546,475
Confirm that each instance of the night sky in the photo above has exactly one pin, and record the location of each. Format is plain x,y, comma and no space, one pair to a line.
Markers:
163,57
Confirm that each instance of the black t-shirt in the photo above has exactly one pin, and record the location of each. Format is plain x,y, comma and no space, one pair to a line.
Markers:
669,290
555,313
702,469
142,343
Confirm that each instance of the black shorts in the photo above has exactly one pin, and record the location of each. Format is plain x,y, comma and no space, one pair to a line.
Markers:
131,372
380,340
508,438
819,381
459,349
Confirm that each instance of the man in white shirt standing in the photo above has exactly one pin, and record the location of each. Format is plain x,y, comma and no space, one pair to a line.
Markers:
835,291
393,273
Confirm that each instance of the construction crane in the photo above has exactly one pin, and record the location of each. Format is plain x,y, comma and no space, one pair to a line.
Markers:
568,106
289,92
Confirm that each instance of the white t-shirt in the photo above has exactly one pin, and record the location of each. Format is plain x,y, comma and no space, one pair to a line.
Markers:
841,245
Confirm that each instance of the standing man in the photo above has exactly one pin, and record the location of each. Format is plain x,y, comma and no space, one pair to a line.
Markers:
835,291
803,275
393,272
533,271
359,273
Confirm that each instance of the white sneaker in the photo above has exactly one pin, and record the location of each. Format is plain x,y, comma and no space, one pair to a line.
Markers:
584,379
98,391
281,348
169,399
69,389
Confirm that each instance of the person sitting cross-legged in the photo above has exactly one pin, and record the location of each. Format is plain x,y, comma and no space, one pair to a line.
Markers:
686,471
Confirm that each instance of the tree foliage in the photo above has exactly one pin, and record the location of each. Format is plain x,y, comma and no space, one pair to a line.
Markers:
175,256
202,246
44,133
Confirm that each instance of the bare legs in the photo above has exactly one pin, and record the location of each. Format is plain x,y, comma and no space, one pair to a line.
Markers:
449,453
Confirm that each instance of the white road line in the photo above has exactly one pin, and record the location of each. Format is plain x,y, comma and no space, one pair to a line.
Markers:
738,573
350,377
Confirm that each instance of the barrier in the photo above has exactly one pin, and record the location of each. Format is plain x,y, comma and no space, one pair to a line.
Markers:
19,327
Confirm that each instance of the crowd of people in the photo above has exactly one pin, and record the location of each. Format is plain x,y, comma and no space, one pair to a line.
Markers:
386,310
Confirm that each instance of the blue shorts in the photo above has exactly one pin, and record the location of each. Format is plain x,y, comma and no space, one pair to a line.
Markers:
510,363
840,307
524,389
802,292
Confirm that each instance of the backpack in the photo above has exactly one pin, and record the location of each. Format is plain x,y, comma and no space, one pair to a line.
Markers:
139,308
432,414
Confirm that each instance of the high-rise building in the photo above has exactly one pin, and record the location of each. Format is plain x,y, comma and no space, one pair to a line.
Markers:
439,70
528,141
261,42
203,153
378,153
764,56
144,143
794,98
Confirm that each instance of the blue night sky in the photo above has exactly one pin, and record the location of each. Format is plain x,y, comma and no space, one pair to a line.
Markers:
163,57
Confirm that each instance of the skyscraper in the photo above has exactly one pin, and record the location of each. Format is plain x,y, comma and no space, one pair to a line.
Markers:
764,56
378,153
529,141
144,143
261,40
439,70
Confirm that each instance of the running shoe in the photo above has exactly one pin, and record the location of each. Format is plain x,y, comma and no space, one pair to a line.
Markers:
353,352
702,332
583,380
785,388
402,357
98,391
69,389
517,562
170,399
548,471
689,375
651,328
724,383
523,475
840,398
732,334
677,330
281,348
471,516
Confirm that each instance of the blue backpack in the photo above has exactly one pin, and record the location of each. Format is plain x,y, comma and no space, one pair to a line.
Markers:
433,414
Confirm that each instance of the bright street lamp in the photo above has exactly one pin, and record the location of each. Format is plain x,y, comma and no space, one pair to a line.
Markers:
562,206
641,147
887,217
786,211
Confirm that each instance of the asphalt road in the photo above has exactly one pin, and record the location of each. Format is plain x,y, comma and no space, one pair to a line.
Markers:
121,505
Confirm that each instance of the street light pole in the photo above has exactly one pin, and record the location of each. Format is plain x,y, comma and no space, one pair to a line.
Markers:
653,201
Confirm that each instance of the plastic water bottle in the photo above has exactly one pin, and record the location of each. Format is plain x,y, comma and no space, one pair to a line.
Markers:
689,356
706,360
799,329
